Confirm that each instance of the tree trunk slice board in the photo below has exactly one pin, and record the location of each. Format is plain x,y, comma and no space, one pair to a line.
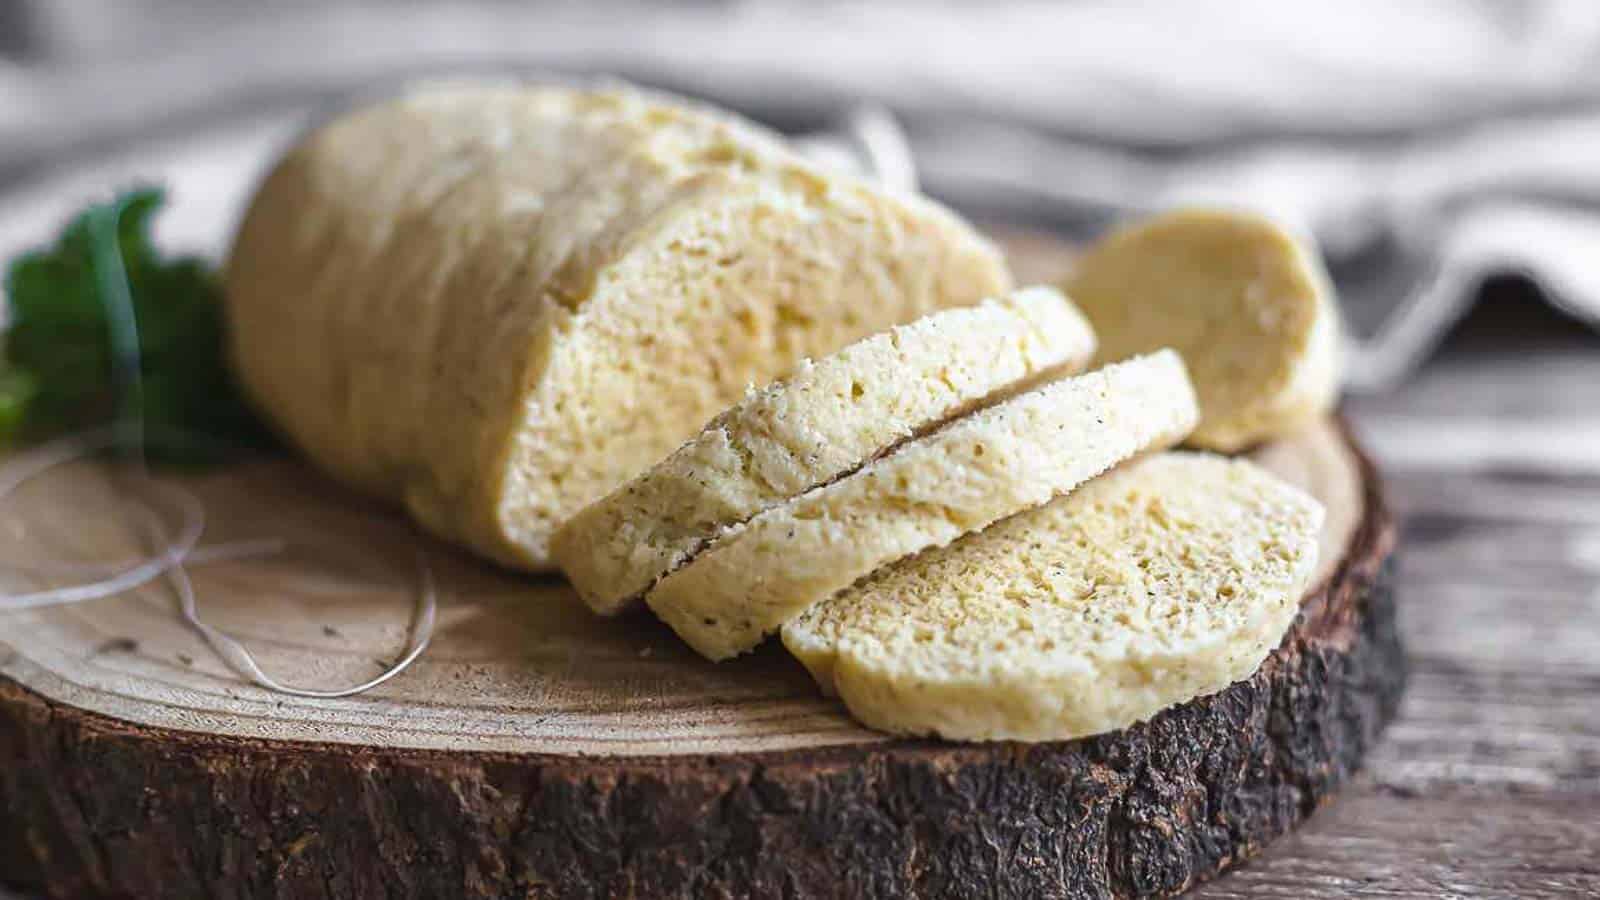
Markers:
537,751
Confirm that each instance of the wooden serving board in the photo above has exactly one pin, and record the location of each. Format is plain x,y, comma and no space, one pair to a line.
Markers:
538,751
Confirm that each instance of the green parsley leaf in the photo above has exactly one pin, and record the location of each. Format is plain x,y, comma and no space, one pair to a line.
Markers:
71,349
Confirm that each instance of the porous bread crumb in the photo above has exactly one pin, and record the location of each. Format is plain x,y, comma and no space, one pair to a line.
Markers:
824,418
1169,578
1246,303
1010,456
493,304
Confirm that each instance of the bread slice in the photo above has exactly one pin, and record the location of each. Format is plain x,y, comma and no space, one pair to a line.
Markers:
1168,578
493,303
818,422
1246,303
1013,455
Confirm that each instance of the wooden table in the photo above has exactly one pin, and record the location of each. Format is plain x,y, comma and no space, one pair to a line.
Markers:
1488,784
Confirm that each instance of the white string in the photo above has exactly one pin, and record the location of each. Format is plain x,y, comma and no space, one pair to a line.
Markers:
72,448
241,661
233,550
183,550
183,547
20,469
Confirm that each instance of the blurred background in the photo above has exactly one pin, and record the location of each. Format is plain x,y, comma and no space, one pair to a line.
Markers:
1430,146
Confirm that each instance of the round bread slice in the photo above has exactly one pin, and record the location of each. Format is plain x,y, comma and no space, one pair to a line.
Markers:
1247,304
822,420
1168,578
1008,457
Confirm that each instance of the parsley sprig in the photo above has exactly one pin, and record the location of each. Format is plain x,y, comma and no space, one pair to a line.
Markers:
103,328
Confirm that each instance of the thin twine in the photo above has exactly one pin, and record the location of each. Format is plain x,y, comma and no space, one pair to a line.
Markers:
181,549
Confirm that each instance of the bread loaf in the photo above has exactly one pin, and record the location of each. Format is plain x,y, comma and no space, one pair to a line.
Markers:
1246,303
821,420
1013,455
493,304
1168,578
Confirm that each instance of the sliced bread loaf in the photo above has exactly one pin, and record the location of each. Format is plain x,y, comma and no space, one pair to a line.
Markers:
493,304
1246,303
821,420
1168,578
1013,455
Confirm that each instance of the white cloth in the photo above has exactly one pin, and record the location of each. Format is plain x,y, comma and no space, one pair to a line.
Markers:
1425,143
